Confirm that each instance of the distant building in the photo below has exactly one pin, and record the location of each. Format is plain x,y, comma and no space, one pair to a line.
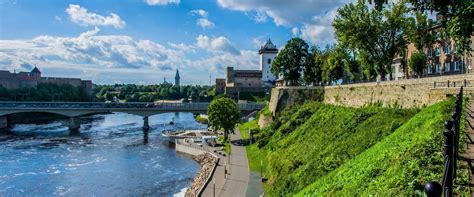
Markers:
33,78
176,79
253,81
443,58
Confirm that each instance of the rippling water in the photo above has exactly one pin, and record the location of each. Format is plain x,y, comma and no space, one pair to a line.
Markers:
107,158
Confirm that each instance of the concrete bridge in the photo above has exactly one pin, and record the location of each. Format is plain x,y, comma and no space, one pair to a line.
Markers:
74,110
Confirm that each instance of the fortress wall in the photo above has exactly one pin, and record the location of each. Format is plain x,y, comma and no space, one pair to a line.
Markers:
402,93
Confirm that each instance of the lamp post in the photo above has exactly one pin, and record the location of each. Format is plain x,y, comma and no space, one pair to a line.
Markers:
261,168
214,188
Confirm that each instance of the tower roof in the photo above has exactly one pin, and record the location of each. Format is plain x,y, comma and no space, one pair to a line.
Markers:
269,47
35,70
177,74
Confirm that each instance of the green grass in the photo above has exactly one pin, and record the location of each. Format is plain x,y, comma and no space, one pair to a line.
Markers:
399,165
226,144
201,119
254,154
309,141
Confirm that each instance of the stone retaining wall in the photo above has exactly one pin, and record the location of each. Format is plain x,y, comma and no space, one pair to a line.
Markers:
401,93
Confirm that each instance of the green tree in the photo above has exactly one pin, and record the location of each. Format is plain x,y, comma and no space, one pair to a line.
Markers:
223,113
312,69
417,62
291,60
419,32
377,35
336,61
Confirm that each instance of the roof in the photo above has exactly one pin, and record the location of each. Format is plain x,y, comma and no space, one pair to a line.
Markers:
269,47
35,70
177,74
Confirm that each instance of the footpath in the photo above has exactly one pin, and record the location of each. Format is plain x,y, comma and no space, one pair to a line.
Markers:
469,153
238,172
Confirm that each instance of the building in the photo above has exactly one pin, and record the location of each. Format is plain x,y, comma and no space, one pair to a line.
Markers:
33,78
443,58
250,81
176,79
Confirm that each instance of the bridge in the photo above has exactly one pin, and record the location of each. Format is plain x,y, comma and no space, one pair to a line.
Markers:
74,110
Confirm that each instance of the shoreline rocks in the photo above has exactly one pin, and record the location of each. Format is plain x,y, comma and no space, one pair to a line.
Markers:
207,163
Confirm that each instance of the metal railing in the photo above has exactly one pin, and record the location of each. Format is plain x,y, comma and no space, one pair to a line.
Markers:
451,151
452,83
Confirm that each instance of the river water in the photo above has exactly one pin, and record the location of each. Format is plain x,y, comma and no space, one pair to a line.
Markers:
107,158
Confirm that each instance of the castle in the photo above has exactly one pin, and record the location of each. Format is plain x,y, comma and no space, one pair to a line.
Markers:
33,78
253,81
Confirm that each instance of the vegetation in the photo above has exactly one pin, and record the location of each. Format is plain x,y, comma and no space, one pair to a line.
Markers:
44,92
399,164
150,93
223,113
417,62
333,150
201,119
291,60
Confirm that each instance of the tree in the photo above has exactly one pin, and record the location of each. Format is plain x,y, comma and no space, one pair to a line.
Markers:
377,35
419,32
223,113
291,60
336,61
417,62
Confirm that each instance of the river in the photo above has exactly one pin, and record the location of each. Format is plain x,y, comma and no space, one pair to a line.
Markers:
107,158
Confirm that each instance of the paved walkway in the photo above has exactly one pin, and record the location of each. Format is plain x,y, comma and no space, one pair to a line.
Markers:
469,153
237,172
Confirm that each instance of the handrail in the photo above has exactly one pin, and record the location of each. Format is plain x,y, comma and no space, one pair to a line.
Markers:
451,152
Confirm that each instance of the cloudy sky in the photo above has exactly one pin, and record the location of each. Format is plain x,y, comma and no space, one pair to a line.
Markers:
144,41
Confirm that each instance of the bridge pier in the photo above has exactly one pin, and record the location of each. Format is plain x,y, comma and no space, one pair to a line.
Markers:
3,122
146,128
74,123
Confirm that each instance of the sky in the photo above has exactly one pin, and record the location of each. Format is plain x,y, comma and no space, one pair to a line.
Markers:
145,41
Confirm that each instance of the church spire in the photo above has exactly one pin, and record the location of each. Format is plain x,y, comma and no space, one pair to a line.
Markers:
177,78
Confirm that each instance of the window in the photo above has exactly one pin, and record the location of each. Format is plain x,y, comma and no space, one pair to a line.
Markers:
447,48
430,68
456,65
437,52
269,61
447,67
437,68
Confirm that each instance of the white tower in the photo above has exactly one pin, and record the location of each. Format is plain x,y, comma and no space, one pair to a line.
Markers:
267,53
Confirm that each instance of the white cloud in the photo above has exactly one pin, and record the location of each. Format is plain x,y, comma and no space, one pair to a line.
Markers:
295,31
204,23
260,17
310,15
220,44
81,16
123,59
58,18
162,2
201,13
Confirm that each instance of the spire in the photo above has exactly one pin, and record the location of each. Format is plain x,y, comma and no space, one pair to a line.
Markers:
269,47
177,74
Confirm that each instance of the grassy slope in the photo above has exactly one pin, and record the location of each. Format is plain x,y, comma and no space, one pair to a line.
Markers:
311,140
398,165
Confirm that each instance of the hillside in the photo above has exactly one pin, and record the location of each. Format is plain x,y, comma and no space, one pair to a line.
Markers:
323,149
311,140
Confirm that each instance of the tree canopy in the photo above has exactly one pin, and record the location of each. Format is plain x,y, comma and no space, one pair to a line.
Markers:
223,114
291,60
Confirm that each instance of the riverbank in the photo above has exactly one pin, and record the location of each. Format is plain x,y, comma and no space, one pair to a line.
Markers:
208,164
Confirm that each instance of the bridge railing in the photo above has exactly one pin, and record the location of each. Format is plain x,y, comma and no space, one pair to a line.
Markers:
451,151
142,105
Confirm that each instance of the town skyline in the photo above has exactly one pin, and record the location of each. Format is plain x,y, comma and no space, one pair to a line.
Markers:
136,42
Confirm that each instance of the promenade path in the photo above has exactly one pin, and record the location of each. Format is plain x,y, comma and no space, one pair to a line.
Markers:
469,154
238,172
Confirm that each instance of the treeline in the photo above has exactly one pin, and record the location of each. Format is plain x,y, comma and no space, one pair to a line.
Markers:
44,92
369,39
150,93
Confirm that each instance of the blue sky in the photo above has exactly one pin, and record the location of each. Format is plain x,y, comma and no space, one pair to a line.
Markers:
143,41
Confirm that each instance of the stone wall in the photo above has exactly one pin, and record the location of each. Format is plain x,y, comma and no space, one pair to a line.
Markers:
401,93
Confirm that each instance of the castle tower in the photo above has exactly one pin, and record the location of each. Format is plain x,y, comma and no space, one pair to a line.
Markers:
267,53
176,78
35,73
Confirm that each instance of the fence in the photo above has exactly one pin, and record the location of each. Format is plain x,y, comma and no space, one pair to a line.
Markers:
452,83
451,146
